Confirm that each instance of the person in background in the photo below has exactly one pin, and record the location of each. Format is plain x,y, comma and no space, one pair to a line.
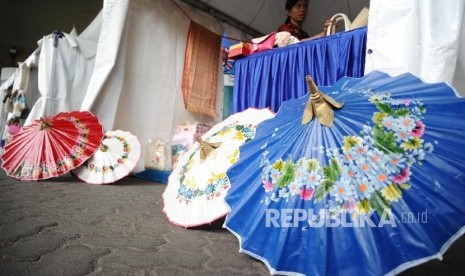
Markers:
296,14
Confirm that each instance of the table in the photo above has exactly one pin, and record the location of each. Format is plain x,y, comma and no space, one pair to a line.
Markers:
266,79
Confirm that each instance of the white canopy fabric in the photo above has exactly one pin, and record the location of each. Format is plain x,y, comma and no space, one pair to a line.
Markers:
423,37
137,78
62,77
65,66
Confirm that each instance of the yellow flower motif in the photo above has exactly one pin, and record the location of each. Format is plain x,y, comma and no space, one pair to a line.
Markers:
221,175
351,141
362,207
313,165
224,131
189,164
412,144
215,177
375,98
391,193
190,183
239,136
233,158
378,118
279,165
211,179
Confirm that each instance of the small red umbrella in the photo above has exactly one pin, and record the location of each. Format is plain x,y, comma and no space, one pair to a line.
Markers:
52,146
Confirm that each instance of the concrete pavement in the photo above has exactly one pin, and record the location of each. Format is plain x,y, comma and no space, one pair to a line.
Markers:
63,226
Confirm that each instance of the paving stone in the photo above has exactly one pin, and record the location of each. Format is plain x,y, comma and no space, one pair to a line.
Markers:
184,240
175,271
71,260
218,234
10,267
23,228
431,268
6,206
119,270
234,259
192,260
120,241
228,272
455,256
133,258
15,215
151,227
32,248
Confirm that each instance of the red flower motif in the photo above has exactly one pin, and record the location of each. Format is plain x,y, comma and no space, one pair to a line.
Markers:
419,129
402,176
306,194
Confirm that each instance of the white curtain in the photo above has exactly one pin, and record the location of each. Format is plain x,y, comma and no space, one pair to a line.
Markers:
423,37
64,70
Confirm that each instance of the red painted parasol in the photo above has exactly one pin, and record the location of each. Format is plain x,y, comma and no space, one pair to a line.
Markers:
52,146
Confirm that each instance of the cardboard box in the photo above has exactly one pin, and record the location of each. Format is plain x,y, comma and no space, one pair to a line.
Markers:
240,50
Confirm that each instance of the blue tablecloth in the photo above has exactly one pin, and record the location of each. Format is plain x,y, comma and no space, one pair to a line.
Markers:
268,78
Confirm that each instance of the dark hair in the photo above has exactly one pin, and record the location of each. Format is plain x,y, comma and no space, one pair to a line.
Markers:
289,5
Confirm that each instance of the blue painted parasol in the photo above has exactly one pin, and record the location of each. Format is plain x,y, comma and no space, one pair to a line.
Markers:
367,178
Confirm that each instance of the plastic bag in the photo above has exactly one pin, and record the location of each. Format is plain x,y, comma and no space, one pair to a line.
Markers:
158,155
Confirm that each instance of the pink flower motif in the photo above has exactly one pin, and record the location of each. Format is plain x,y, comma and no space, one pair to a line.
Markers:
419,129
402,176
306,194
349,205
268,186
407,102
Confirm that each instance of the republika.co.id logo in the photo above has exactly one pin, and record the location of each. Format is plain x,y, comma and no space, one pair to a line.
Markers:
333,218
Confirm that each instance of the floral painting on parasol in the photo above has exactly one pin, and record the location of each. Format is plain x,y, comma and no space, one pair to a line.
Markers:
52,146
116,157
197,185
362,178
